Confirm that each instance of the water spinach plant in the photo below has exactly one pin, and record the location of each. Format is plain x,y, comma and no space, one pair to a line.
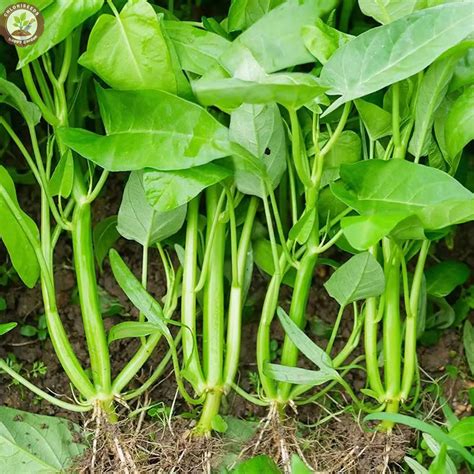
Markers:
329,143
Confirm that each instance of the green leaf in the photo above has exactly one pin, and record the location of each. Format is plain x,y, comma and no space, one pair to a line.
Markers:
305,345
218,424
28,330
19,247
135,292
36,443
244,13
262,252
442,463
10,94
298,466
129,51
152,129
458,127
167,190
415,466
432,90
298,376
289,89
257,465
468,340
259,129
6,327
463,432
198,50
105,234
130,329
322,41
464,72
386,11
388,54
60,19
444,277
404,188
377,121
275,40
361,277
301,231
3,304
62,179
437,433
139,221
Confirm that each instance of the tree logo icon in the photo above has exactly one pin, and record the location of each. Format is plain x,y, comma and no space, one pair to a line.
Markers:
21,24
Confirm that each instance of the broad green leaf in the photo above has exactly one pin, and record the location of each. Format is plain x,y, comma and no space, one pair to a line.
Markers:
388,54
463,431
362,232
404,188
305,345
437,433
218,424
468,339
289,89
386,11
105,234
139,221
464,72
361,277
275,39
259,129
262,252
432,90
257,465
347,149
21,250
322,41
130,329
244,13
135,292
444,277
459,129
167,190
6,327
62,179
37,444
298,376
10,94
198,50
152,129
61,17
377,121
129,51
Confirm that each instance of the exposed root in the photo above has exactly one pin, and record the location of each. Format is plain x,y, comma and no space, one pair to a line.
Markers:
343,447
276,438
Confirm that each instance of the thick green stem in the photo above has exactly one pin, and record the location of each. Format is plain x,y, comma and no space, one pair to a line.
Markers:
213,299
192,363
234,320
209,411
392,338
409,367
263,335
299,301
88,298
370,341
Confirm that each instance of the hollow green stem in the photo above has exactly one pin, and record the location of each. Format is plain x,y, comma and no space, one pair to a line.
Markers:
234,320
88,297
188,297
209,411
409,367
335,330
299,158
